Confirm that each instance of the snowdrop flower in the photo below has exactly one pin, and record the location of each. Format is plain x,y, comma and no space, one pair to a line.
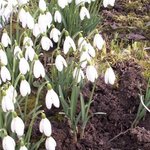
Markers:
22,17
17,51
5,74
78,74
81,42
23,148
63,3
84,13
68,43
46,43
109,76
23,66
36,30
42,5
60,62
29,21
29,53
38,69
91,50
5,40
12,93
55,34
42,22
23,2
24,88
51,98
50,143
27,41
17,125
98,41
108,2
57,16
48,19
8,143
45,126
84,58
91,73
3,57
7,103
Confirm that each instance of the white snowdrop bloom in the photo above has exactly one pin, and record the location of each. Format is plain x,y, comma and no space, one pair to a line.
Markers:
3,57
57,16
52,98
23,148
36,30
27,41
22,17
17,126
7,104
38,69
25,88
80,2
68,43
5,40
108,2
78,74
48,19
8,143
81,42
63,3
98,41
42,22
29,53
45,127
30,21
42,5
23,66
5,74
84,13
23,2
46,43
50,143
109,77
69,1
60,63
12,93
55,34
17,51
91,50
91,73
84,58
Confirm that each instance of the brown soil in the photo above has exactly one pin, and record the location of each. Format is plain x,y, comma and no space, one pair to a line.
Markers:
113,130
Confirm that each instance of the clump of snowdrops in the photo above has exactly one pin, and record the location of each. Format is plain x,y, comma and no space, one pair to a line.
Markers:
20,62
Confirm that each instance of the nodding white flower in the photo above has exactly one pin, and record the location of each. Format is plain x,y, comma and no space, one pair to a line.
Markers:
84,13
84,58
22,17
68,43
57,16
51,98
42,22
29,54
109,76
45,126
108,2
38,69
5,74
55,34
42,5
23,148
48,19
50,143
27,41
8,143
91,73
17,126
7,103
17,51
3,57
5,40
46,43
23,66
12,93
23,2
81,42
36,30
60,62
25,88
91,50
78,74
98,41
63,3
29,21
